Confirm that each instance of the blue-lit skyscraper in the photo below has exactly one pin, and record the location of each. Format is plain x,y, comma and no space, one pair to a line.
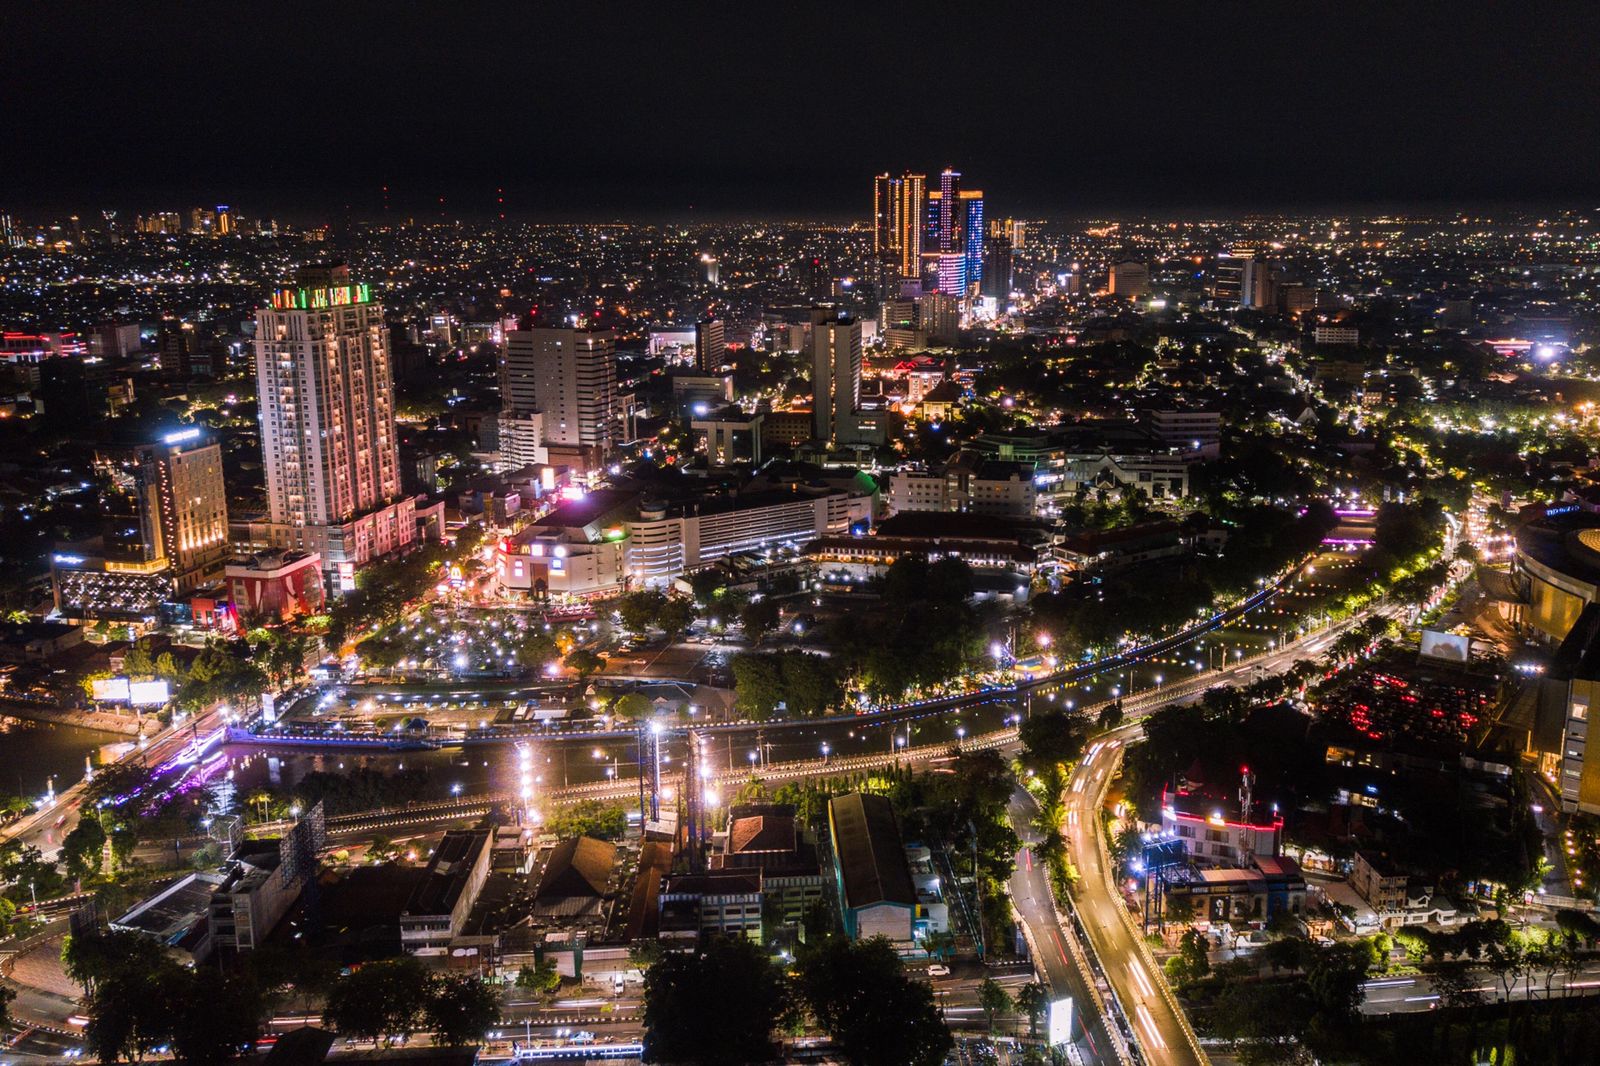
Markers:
972,233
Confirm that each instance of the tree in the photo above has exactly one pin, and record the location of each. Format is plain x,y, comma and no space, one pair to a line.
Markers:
859,992
584,662
460,1010
1192,951
542,977
1050,738
994,999
634,707
717,1007
381,1000
590,818
675,616
759,618
219,1015
1110,716
83,851
1033,999
639,610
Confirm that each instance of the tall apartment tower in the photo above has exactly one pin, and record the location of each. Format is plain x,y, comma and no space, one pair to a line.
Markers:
710,345
166,508
897,221
327,423
570,377
835,374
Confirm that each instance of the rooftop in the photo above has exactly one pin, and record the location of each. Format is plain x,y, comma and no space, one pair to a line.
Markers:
870,852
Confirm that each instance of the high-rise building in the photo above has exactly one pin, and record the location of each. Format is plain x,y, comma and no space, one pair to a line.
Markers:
570,377
971,236
327,424
710,345
947,217
167,507
224,219
1130,279
897,205
996,282
835,374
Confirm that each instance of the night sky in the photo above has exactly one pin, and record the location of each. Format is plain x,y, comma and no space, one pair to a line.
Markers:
707,110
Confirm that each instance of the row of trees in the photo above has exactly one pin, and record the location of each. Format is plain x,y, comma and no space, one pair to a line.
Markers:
723,1005
138,998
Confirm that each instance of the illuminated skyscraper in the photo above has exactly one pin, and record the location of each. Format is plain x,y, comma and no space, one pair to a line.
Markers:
835,374
710,345
327,423
224,218
166,508
897,205
971,237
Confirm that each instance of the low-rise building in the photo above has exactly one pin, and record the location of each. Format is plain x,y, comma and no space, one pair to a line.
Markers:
256,892
876,893
1257,892
766,837
1214,831
441,901
723,902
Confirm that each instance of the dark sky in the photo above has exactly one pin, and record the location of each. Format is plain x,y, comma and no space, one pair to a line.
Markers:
585,109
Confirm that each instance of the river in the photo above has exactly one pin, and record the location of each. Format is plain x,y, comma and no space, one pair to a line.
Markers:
33,752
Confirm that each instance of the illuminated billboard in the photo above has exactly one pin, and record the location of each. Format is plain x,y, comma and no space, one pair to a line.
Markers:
149,693
1448,646
1060,1025
111,690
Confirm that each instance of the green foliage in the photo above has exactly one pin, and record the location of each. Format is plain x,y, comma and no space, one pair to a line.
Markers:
591,818
717,1007
859,992
542,977
994,999
584,662
385,999
923,633
460,1009
805,685
83,851
1050,738
759,618
1033,999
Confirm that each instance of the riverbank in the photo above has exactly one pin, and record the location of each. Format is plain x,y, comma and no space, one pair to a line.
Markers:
100,721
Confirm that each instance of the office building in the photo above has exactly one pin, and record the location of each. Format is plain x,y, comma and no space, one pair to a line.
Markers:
767,837
327,424
224,220
897,221
570,377
1129,279
835,375
710,345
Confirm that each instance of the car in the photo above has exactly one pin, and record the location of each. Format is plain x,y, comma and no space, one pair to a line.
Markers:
938,969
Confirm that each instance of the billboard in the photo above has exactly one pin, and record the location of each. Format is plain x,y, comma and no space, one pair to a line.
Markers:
347,577
1060,1025
1448,646
149,693
111,690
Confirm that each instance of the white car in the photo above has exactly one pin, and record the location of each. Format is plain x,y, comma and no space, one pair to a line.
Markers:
938,969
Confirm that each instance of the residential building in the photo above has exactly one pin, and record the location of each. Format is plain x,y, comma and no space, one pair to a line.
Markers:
897,206
835,375
327,424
